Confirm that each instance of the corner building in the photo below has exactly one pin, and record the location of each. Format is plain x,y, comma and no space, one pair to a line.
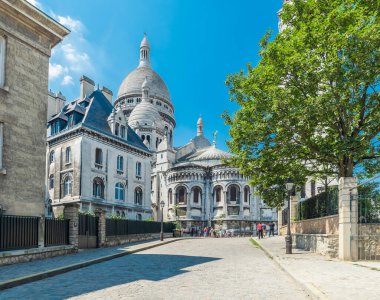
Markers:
197,188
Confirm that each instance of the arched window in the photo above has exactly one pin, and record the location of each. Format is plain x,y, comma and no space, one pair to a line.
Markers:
117,127
143,137
233,194
123,214
118,213
138,196
98,157
98,188
51,181
138,217
138,169
246,194
156,142
120,163
170,196
68,155
218,194
122,131
119,191
148,139
181,195
51,157
67,186
197,195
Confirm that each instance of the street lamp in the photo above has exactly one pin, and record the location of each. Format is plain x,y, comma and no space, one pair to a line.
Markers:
162,204
289,187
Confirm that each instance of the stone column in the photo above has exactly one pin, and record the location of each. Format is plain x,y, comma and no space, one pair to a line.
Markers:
41,232
188,209
70,212
348,218
293,207
101,214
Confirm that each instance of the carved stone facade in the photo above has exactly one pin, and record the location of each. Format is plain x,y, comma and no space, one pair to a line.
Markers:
192,180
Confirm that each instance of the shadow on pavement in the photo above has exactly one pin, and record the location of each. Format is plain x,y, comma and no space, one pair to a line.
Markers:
115,272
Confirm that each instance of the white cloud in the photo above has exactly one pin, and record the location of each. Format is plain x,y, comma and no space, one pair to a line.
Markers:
73,25
35,3
78,60
56,70
70,59
67,80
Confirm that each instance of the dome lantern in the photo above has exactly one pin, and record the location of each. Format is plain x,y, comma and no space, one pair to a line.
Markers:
144,52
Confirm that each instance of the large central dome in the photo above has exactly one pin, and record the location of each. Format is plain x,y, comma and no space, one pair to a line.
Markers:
132,83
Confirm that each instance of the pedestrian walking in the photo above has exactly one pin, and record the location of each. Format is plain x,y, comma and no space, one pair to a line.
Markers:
260,230
205,232
264,228
271,229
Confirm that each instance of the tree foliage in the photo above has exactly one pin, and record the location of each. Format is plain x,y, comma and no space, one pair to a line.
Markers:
311,106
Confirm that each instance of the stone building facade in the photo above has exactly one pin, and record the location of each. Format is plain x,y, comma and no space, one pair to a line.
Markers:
94,158
27,36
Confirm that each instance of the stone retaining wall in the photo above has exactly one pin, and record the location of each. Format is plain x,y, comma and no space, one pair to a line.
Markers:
18,256
324,244
368,241
123,239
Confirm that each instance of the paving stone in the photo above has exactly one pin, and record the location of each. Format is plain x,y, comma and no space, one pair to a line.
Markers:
208,268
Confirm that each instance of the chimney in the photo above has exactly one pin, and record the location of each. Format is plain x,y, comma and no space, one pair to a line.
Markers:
86,86
107,93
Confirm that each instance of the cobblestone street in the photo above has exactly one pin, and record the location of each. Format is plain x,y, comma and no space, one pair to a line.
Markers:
188,269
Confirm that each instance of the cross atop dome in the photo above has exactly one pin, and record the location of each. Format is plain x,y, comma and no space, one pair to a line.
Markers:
144,52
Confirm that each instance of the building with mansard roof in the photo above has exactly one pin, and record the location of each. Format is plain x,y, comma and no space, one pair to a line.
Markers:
94,158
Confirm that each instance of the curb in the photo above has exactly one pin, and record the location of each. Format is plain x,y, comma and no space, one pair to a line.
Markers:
311,290
53,272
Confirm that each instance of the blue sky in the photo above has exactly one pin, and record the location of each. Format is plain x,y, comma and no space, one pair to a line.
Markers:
195,44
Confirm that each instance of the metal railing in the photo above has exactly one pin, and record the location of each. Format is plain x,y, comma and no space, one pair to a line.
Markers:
321,205
56,232
126,227
18,232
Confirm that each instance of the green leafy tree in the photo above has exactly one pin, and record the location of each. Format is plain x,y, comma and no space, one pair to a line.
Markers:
311,106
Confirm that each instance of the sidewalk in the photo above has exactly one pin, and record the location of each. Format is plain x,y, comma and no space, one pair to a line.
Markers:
325,278
17,274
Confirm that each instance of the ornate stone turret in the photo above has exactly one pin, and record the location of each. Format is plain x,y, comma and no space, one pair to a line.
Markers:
144,52
200,126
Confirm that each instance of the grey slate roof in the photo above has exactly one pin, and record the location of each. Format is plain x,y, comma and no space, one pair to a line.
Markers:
95,118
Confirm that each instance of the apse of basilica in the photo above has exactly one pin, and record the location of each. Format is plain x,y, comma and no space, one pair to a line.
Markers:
134,176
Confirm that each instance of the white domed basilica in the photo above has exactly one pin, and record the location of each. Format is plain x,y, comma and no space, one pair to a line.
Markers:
197,188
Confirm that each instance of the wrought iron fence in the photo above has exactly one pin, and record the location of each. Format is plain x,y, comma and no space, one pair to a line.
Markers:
126,227
56,232
18,232
321,205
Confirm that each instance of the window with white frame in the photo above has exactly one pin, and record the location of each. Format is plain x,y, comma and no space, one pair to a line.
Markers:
67,186
68,155
119,191
120,163
2,61
1,146
122,131
138,169
98,188
117,127
138,196
98,157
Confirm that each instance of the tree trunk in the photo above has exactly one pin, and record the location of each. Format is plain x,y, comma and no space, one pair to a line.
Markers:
346,167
